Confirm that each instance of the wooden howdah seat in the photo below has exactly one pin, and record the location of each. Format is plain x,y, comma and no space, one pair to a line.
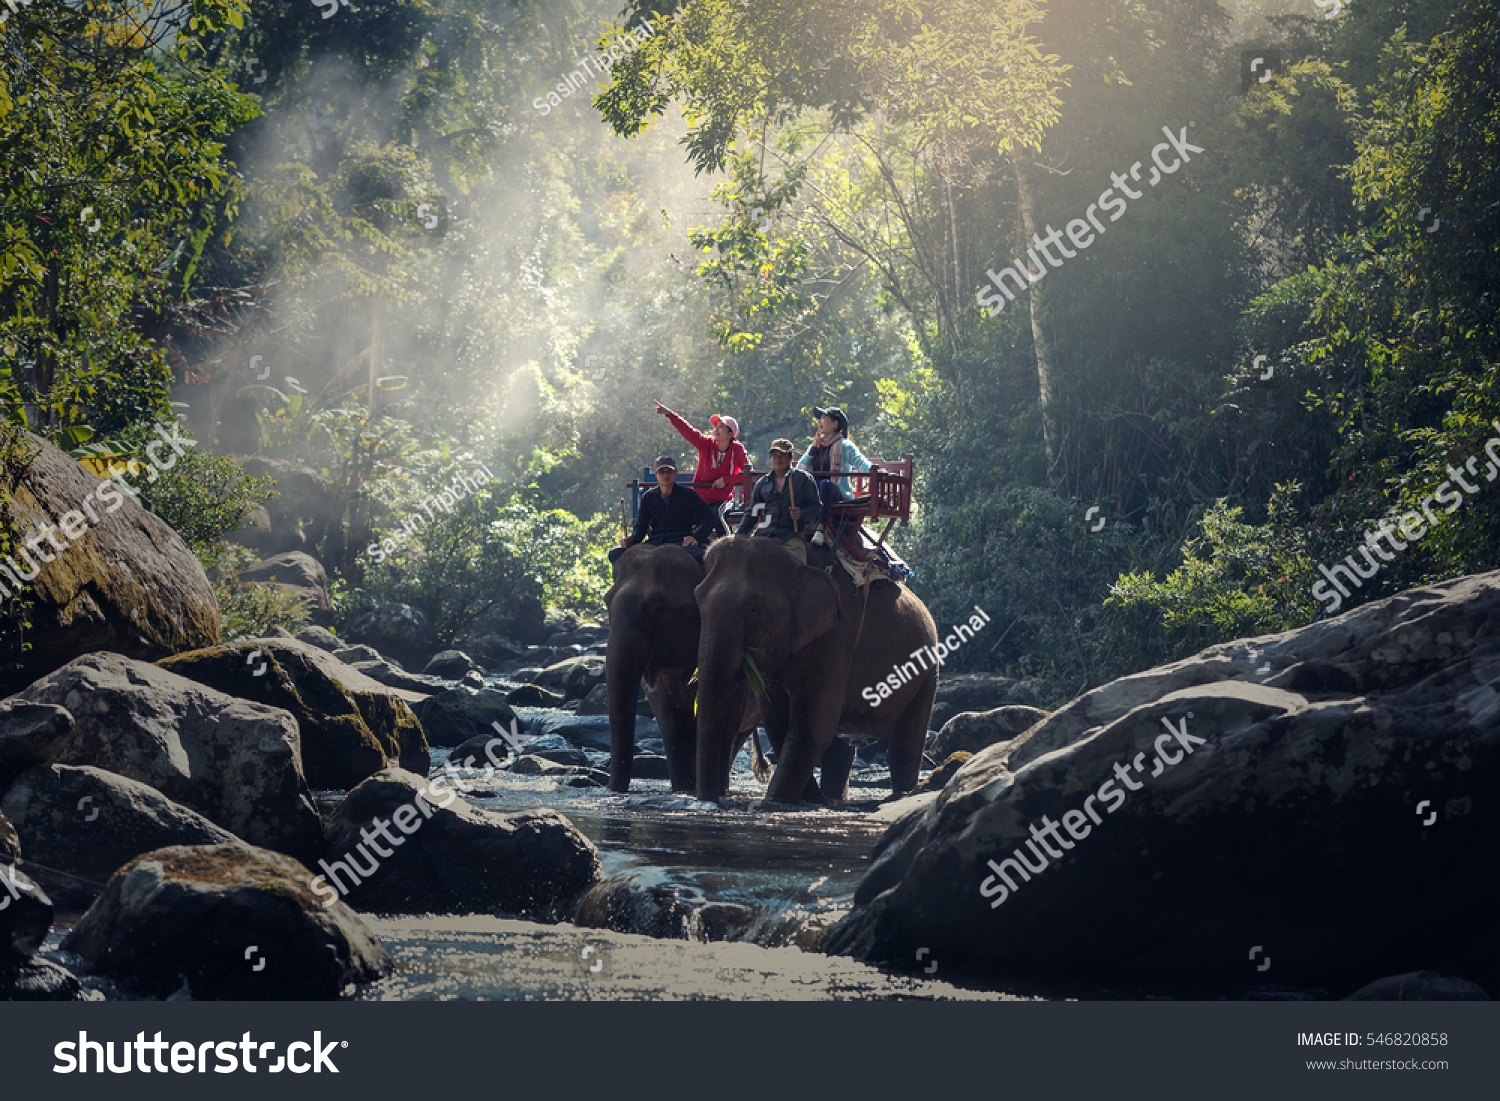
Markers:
883,493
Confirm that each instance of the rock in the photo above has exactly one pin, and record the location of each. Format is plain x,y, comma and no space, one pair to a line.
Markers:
300,510
451,665
454,858
236,762
1419,986
939,777
392,676
453,716
235,922
254,531
26,917
351,726
585,731
971,731
649,767
492,650
596,702
30,733
10,842
973,691
1036,692
276,630
575,675
398,631
532,764
298,573
532,695
89,823
486,750
648,903
1286,804
40,980
322,638
128,583
525,620
354,654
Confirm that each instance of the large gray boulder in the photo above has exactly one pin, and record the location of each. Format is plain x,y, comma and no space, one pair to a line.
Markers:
432,852
574,676
321,637
298,514
127,583
457,714
351,726
234,922
301,575
89,823
1321,794
398,631
237,763
30,733
971,731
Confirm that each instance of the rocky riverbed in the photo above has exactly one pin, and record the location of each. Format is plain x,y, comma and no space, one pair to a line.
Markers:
170,843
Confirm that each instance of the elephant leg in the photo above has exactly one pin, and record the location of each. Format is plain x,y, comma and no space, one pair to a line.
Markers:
673,706
909,739
812,727
833,770
777,718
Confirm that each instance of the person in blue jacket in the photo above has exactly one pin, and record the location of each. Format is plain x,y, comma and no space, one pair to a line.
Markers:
832,459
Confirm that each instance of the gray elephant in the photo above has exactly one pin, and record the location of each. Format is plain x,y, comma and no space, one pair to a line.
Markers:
819,644
653,642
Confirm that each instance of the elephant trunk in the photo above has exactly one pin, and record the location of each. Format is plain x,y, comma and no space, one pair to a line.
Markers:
718,666
624,662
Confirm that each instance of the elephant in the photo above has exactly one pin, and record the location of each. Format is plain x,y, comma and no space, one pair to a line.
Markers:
819,643
653,641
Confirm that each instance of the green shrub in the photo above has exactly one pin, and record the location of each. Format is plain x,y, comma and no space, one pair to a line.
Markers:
248,610
1236,580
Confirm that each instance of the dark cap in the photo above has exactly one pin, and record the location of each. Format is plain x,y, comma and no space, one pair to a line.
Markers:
836,413
664,462
782,444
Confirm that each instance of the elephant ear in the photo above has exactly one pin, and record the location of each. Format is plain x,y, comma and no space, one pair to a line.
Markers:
815,607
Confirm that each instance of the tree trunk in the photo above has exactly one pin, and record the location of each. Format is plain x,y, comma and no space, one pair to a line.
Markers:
1027,205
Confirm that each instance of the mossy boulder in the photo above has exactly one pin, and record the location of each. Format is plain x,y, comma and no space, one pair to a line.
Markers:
128,584
352,726
234,921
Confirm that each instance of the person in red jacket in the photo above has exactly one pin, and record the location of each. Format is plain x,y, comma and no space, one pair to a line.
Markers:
721,456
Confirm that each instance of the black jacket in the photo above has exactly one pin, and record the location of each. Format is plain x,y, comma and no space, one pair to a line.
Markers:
801,488
670,519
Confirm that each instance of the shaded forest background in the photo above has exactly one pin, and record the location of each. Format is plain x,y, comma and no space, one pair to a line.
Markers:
351,244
